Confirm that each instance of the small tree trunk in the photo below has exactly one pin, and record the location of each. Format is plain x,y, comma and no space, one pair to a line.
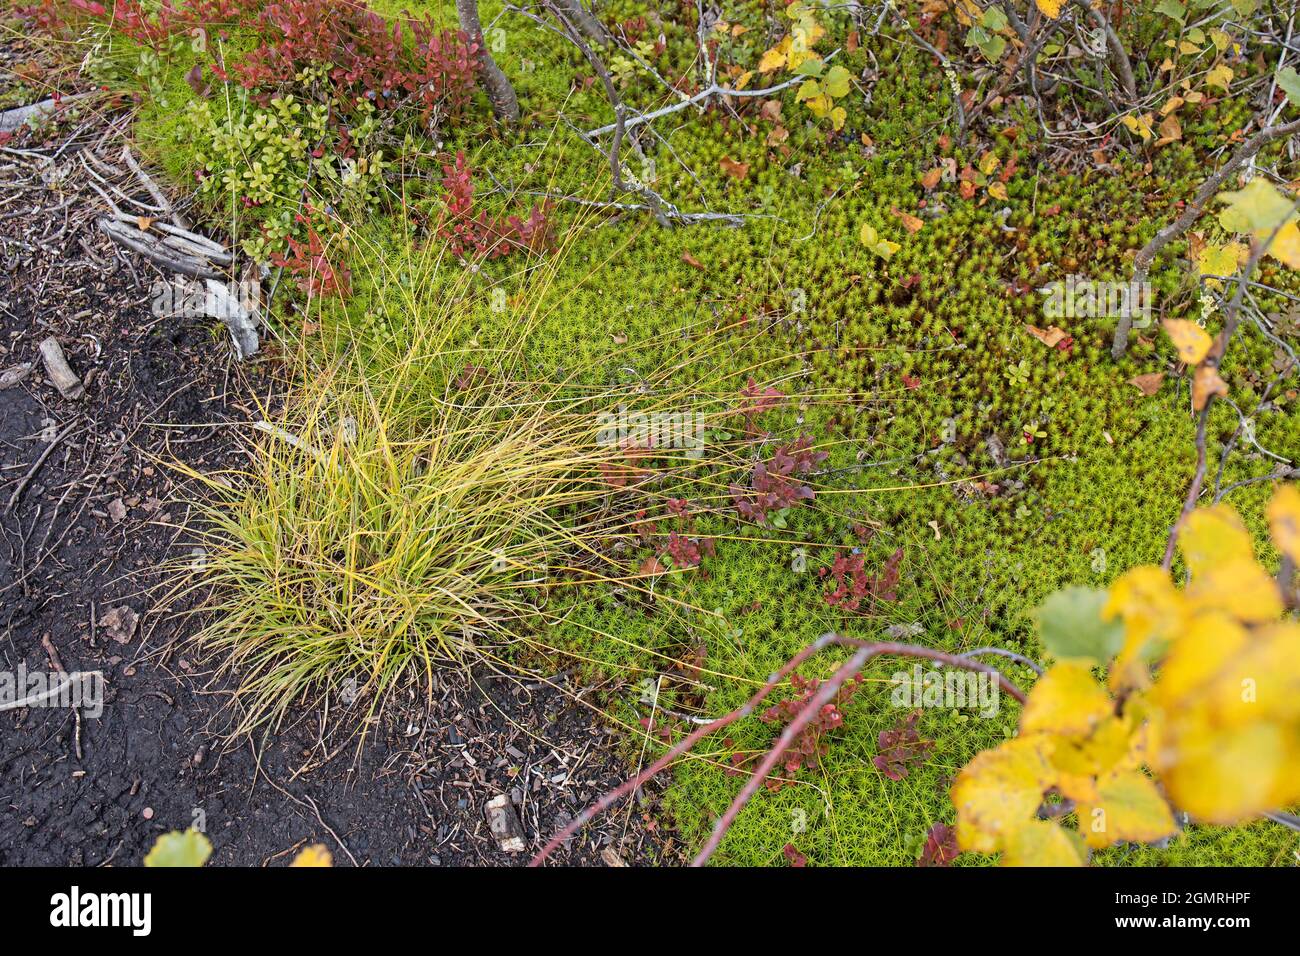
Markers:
505,105
585,21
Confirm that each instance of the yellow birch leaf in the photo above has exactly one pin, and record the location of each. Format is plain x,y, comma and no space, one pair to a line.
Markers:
1264,682
968,12
1220,261
1170,130
176,849
1050,8
1225,776
774,58
1220,76
1197,657
1258,207
1285,247
1116,745
1214,535
1240,588
1152,610
1138,124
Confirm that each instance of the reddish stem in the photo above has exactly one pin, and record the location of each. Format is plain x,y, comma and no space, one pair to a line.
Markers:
866,650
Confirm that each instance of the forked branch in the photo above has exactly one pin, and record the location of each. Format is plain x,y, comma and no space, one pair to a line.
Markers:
1209,189
864,651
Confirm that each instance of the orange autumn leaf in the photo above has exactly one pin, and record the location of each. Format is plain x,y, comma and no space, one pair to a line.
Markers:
1205,384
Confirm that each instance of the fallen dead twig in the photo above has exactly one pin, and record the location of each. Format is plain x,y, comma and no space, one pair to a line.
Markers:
165,256
153,189
36,466
12,119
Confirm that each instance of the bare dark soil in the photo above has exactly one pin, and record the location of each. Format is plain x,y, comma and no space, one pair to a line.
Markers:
95,517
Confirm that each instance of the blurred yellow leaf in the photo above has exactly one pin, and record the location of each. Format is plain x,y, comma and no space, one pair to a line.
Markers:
1258,207
1191,341
1284,520
998,791
1211,536
176,849
316,855
1042,843
1285,247
1152,610
1066,700
1128,807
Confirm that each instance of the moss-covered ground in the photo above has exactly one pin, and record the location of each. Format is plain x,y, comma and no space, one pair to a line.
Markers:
905,367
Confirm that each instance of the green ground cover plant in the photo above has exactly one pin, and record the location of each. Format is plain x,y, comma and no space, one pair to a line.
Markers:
866,280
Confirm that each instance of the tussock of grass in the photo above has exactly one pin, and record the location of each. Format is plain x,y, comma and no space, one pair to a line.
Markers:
371,545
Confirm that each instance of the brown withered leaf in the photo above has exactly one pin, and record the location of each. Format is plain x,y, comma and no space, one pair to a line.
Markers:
911,223
1149,383
691,261
777,136
931,179
1171,131
734,169
771,111
1051,336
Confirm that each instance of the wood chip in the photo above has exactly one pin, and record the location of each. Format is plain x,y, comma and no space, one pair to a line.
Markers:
120,623
503,822
58,370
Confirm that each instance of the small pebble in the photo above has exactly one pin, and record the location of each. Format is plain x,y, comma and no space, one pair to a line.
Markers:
147,813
